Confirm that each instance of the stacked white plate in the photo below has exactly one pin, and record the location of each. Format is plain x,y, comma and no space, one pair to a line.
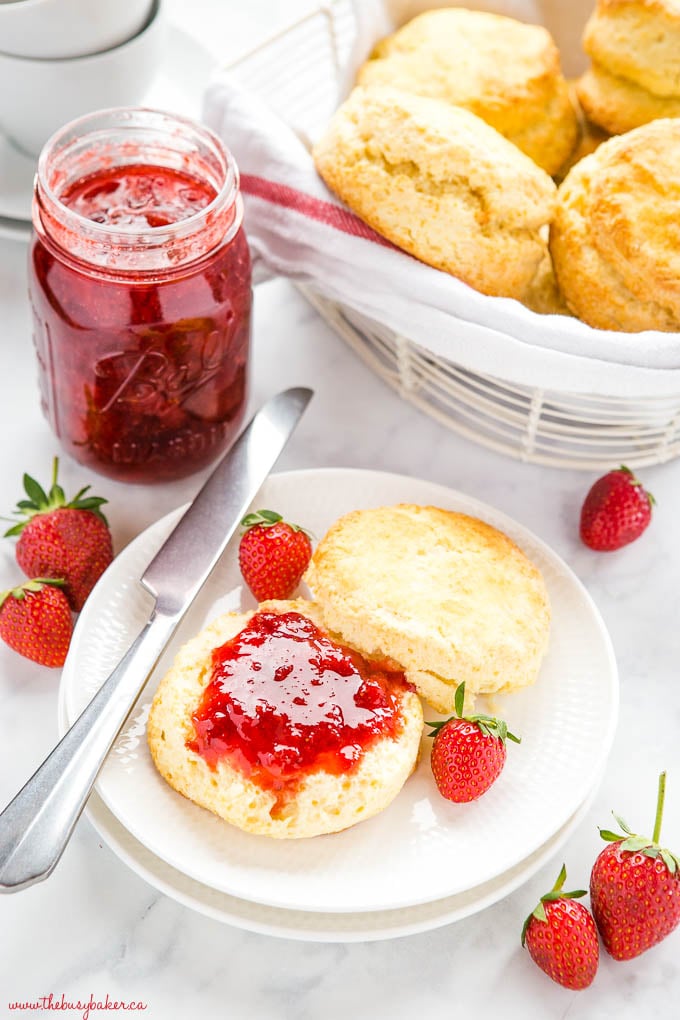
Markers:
423,862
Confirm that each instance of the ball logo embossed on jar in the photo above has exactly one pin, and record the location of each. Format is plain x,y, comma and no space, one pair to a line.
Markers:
140,279
147,380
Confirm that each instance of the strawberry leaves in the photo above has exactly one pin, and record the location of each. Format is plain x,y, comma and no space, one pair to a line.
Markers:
267,519
489,725
36,584
556,893
41,502
634,843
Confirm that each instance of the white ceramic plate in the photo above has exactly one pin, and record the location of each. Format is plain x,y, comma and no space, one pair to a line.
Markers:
421,848
178,88
312,926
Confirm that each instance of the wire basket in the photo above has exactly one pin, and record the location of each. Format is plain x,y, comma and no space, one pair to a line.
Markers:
547,426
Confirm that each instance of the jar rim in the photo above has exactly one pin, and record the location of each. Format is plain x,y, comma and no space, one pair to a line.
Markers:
96,238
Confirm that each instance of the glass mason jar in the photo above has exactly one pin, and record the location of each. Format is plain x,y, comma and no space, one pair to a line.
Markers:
140,284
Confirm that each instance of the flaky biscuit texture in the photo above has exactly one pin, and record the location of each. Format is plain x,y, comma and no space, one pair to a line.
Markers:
506,72
441,184
615,240
322,803
638,40
618,105
447,596
635,75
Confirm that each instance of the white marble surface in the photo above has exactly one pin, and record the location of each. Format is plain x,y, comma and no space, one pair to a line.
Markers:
95,927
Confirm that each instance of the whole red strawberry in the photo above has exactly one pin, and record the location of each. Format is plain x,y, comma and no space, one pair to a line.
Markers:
561,937
65,539
616,511
635,888
35,620
468,753
273,555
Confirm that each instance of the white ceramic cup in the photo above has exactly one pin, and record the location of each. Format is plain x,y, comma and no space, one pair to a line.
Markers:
49,29
38,96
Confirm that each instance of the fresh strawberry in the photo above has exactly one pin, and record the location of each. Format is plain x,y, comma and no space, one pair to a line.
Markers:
59,538
468,752
616,511
273,555
561,937
635,888
35,620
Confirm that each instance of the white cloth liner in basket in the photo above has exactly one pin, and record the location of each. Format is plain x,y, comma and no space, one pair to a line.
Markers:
300,230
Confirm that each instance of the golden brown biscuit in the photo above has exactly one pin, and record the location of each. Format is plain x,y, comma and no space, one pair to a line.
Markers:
506,72
618,105
447,596
635,77
638,40
615,239
322,802
441,184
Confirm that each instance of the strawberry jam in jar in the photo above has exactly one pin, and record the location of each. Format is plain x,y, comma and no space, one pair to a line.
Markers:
140,284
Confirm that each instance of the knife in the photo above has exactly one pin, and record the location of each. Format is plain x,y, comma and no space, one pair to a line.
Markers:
37,824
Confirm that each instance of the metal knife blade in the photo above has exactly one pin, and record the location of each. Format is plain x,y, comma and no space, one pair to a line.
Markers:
37,824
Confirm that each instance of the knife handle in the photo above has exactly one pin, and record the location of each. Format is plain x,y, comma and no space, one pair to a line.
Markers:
36,825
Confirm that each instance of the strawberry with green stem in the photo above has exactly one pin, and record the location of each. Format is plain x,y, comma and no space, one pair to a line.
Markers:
616,510
635,888
273,555
561,937
67,539
468,753
35,620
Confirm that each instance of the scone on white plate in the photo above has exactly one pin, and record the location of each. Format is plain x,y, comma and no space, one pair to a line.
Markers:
447,596
269,723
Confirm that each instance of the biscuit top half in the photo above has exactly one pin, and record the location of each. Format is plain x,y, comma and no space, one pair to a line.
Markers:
440,592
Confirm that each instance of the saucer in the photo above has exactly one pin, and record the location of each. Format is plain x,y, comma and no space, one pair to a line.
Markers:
178,88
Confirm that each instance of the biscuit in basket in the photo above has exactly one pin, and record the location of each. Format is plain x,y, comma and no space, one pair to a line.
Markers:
635,77
543,295
506,72
447,596
321,801
441,184
618,105
615,239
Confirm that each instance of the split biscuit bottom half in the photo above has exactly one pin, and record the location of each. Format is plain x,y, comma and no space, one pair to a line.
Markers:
321,802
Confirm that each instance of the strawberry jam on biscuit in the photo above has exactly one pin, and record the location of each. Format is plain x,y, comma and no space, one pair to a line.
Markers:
285,700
